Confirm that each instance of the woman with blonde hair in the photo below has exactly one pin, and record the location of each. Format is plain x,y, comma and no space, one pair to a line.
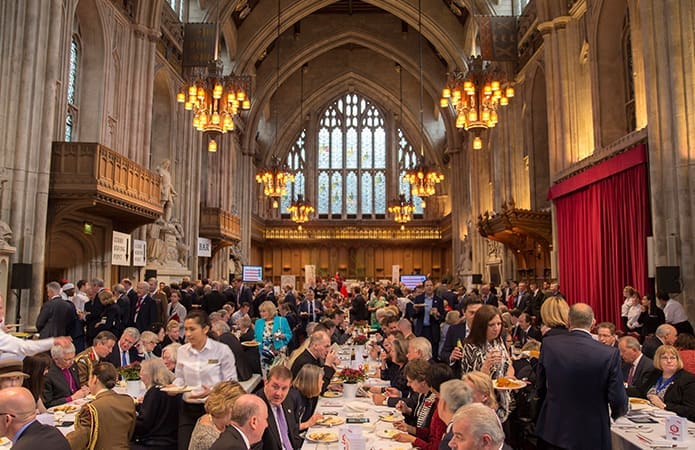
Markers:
157,420
218,408
172,333
148,341
273,333
483,390
670,387
307,387
555,312
110,315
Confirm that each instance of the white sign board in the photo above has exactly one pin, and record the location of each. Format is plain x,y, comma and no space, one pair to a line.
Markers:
139,253
309,275
120,249
395,274
204,247
288,280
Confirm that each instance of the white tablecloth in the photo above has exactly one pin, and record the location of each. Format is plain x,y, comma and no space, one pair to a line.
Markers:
625,434
372,413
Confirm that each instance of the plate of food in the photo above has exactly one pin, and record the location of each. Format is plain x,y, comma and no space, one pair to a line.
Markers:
331,421
639,401
65,409
531,353
322,437
332,394
388,433
250,343
391,417
508,384
176,389
21,334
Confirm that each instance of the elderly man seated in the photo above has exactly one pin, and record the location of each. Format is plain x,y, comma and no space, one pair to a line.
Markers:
476,427
62,383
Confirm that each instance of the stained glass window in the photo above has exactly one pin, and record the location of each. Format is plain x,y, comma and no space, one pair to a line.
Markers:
73,74
351,160
295,161
407,159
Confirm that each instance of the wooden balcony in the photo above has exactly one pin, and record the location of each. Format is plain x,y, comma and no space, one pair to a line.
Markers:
97,180
216,223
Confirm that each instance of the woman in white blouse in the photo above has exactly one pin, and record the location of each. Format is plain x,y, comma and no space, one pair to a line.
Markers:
200,364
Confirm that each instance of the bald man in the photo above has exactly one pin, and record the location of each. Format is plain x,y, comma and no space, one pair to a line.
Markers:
18,422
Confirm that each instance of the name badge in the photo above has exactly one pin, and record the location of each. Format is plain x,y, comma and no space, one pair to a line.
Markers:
213,361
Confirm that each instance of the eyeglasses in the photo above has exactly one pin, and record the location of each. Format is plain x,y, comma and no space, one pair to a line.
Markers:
668,358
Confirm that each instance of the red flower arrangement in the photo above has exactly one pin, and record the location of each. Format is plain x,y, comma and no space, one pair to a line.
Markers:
352,376
360,339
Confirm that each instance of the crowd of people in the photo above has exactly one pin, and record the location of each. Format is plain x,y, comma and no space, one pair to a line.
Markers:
442,351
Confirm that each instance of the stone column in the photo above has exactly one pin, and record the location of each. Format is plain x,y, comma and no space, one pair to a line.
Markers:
670,77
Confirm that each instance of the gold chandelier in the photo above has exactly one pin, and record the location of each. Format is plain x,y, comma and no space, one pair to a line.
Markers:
274,179
300,210
476,96
401,209
423,179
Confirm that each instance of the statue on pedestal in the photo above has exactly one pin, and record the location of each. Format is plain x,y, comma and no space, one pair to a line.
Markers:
5,234
166,190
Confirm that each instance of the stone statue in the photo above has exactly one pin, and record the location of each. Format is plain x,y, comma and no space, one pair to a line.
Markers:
156,247
5,234
168,194
181,246
235,258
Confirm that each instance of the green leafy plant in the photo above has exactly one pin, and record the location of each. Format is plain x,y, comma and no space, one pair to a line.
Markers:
130,372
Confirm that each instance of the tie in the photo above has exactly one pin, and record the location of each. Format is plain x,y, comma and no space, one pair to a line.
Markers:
630,375
124,359
282,428
313,311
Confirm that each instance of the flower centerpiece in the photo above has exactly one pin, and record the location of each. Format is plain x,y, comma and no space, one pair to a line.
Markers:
130,372
360,339
352,376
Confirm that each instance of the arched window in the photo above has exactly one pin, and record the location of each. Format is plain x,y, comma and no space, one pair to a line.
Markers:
178,7
295,161
407,159
351,160
73,76
628,68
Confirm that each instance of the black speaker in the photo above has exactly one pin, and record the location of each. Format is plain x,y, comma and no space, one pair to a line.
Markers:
477,278
668,279
150,273
21,276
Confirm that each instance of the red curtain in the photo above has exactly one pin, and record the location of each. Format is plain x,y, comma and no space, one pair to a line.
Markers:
602,228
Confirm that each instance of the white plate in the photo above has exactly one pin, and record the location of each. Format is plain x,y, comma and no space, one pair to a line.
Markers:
517,384
176,389
67,409
331,421
356,406
332,394
322,437
391,417
387,433
250,343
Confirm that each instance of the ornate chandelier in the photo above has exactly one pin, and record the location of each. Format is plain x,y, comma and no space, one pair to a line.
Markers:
274,179
401,209
423,179
476,96
300,210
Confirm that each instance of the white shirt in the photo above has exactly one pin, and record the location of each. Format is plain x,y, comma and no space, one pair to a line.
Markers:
207,367
633,314
674,312
79,299
21,347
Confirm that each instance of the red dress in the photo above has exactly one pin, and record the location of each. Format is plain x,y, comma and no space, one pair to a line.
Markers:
429,438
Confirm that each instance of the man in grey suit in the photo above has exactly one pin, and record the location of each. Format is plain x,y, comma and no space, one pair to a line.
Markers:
249,421
636,367
57,316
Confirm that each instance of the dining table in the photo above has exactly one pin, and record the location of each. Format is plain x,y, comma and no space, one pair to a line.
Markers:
644,428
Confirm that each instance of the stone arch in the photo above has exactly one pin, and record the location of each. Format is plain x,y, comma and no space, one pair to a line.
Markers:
91,83
609,69
539,161
163,114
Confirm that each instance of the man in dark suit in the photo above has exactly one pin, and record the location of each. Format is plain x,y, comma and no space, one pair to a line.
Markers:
522,302
537,297
527,329
248,423
57,316
453,394
124,353
242,293
318,353
637,368
428,313
665,334
243,370
606,334
93,308
266,293
584,378
19,412
452,350
283,428
310,310
214,300
145,312
62,383
130,293
488,297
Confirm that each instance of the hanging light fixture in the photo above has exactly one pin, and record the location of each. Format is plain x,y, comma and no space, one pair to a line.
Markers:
300,210
275,177
401,209
476,96
423,178
213,98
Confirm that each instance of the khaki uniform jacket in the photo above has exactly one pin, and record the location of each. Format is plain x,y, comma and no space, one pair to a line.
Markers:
85,362
107,423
